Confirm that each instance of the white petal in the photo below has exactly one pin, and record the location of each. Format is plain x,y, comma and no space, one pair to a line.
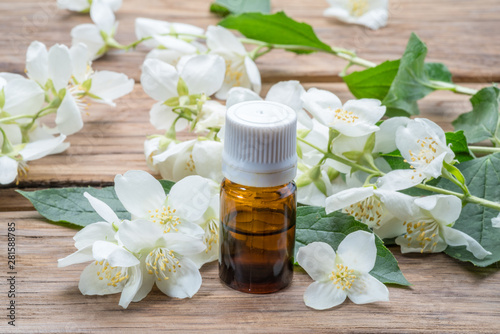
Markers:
253,74
495,222
444,208
102,209
159,80
139,235
173,149
370,110
80,256
90,284
400,205
116,255
168,56
317,259
172,43
221,39
288,93
13,133
60,67
162,117
183,244
79,60
37,62
358,251
457,238
204,74
145,27
374,19
23,96
132,287
103,16
213,115
151,147
399,179
110,86
183,28
139,192
240,94
148,280
323,295
89,35
41,148
92,233
367,289
68,117
191,197
74,5
185,283
385,138
8,170
207,158
321,104
346,198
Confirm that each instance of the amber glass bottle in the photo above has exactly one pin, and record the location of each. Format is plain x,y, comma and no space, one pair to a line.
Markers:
257,236
258,201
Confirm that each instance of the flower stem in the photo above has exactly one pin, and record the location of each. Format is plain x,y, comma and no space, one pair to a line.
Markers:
484,149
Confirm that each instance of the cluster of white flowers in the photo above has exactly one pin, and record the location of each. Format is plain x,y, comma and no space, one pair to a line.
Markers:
59,80
165,243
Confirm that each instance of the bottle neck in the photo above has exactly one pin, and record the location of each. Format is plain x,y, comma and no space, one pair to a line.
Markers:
258,179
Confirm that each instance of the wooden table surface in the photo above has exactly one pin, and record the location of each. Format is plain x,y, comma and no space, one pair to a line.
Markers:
446,296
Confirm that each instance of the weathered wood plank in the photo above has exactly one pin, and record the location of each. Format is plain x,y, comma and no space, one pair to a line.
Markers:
457,33
111,141
446,296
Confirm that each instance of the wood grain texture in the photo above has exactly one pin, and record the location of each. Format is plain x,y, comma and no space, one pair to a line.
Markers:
455,31
446,296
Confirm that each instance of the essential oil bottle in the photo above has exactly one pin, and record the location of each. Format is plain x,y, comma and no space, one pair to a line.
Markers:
258,197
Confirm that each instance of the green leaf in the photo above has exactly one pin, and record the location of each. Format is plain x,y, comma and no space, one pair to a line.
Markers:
276,29
373,82
225,7
313,224
480,123
219,10
411,83
483,180
459,146
68,205
437,72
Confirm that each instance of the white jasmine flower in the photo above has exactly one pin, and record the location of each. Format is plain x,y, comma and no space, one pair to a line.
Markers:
241,70
115,270
164,258
212,116
20,96
374,207
13,160
192,157
68,71
143,196
145,27
83,6
342,274
370,13
284,92
99,231
210,224
354,119
309,191
98,35
430,229
495,222
423,145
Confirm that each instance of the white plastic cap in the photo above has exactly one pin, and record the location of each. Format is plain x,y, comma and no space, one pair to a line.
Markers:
260,144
